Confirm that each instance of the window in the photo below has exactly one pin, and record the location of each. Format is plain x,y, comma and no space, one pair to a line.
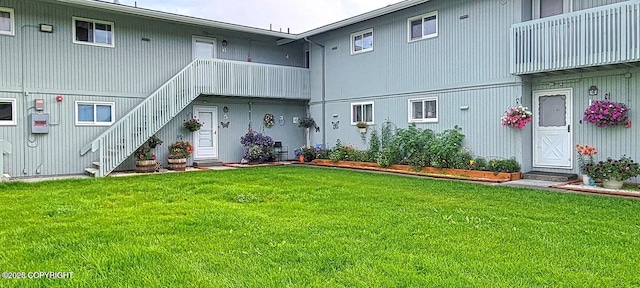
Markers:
362,41
7,25
423,26
7,111
362,112
94,113
86,31
423,110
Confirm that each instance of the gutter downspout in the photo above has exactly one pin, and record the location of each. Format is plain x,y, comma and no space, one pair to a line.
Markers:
324,60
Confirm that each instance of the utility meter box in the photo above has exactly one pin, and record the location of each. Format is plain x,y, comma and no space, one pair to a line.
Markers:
39,123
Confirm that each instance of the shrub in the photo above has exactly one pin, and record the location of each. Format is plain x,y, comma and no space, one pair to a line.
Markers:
504,165
445,147
323,153
373,152
258,147
463,159
479,163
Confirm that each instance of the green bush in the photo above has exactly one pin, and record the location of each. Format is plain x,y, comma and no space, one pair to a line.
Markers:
463,159
479,164
373,152
446,147
504,165
408,146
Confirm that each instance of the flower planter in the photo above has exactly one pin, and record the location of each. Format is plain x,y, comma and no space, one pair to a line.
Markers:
429,171
362,130
177,164
146,166
301,158
586,180
612,184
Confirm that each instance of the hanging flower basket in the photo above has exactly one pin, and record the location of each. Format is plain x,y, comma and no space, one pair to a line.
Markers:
604,113
193,124
517,117
268,120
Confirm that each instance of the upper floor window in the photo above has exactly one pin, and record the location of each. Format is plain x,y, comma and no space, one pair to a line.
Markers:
423,110
8,111
362,112
94,113
7,23
548,8
95,32
423,26
362,41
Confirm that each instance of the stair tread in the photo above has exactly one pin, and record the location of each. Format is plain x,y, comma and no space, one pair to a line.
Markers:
96,163
92,171
550,176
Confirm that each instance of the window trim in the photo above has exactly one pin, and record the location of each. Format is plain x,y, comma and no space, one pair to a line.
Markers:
373,113
360,33
14,110
409,20
423,119
95,123
12,18
73,32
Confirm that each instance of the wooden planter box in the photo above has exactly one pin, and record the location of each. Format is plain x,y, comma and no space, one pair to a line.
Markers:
428,171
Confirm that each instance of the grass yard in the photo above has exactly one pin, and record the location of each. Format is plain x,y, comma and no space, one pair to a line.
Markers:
313,227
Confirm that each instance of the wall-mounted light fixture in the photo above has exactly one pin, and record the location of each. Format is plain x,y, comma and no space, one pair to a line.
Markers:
225,43
593,90
46,28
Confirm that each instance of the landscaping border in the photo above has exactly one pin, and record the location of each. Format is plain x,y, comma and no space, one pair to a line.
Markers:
460,174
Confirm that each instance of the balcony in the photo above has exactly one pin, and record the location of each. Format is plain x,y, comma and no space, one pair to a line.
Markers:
605,35
236,78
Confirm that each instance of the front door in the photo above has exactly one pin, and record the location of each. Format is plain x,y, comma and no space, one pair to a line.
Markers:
548,8
206,139
552,137
204,48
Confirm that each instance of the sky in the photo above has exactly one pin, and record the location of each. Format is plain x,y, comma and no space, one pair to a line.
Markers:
298,15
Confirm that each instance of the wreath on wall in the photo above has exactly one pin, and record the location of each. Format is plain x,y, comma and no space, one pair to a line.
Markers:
269,120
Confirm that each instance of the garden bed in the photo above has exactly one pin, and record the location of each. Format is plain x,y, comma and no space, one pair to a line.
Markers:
473,175
628,190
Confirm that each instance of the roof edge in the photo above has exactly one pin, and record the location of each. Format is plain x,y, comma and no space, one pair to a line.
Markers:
363,17
178,18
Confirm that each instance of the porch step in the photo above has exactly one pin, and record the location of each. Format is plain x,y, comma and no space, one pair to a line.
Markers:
96,163
91,171
206,163
549,176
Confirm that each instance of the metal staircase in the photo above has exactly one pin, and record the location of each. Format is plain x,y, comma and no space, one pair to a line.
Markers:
118,142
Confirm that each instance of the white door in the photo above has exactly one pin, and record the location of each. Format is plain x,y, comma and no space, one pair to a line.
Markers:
206,139
552,137
204,48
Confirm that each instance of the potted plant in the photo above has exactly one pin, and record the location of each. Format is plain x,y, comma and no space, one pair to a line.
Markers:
306,122
362,126
614,172
178,153
604,113
585,160
305,154
154,141
193,124
258,148
517,117
145,160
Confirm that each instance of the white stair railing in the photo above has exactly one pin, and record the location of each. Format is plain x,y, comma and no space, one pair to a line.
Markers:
118,142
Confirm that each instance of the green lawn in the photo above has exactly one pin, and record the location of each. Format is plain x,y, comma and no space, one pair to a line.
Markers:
307,226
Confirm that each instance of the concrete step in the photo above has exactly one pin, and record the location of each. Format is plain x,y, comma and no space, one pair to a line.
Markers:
549,176
91,171
96,163
207,163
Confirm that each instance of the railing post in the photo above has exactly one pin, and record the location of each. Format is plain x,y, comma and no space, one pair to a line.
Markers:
623,32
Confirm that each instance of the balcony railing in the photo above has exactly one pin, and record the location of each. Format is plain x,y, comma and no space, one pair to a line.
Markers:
598,36
235,78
